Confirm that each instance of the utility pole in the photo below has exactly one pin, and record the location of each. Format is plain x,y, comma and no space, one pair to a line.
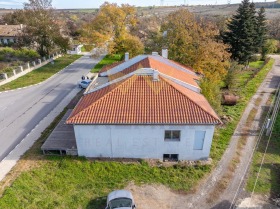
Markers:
161,2
229,1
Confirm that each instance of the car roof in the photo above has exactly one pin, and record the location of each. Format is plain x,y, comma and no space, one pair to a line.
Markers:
119,194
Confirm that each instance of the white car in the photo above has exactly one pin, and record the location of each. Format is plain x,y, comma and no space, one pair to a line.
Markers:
120,199
84,83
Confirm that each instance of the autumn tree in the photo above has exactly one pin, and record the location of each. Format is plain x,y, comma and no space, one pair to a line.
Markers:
41,30
193,41
111,26
274,28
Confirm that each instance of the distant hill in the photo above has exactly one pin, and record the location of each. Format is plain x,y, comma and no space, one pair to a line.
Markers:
272,10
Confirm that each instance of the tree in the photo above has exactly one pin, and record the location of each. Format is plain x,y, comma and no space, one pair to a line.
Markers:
241,33
261,31
271,46
193,41
274,28
111,26
41,30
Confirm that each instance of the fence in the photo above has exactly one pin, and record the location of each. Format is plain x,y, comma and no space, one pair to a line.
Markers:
26,68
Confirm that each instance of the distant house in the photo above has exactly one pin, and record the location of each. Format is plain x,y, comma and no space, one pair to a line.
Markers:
10,33
75,49
145,107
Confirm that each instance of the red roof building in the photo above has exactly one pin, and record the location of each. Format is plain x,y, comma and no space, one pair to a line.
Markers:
149,101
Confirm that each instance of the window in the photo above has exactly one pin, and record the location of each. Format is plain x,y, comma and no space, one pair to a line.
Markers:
170,157
199,140
172,136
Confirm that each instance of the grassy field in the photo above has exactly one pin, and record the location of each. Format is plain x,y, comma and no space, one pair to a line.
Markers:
72,182
41,73
268,182
108,59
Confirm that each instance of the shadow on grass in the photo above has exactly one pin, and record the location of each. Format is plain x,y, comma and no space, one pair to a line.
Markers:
97,203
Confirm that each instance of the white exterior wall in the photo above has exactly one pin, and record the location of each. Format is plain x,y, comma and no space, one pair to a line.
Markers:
75,50
140,141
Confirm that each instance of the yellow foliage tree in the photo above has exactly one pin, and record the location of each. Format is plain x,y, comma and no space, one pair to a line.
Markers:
193,42
111,27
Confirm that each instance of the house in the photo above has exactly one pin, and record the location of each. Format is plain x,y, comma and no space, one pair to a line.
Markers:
75,49
10,33
145,107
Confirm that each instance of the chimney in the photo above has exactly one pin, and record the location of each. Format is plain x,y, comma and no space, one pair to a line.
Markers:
126,56
155,75
154,53
164,53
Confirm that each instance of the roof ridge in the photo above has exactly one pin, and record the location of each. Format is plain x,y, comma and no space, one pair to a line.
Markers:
167,80
109,92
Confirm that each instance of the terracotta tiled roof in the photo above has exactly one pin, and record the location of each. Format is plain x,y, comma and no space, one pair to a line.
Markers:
9,30
140,100
108,67
149,62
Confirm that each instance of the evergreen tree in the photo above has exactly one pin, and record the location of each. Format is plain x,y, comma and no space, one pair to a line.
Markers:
261,32
241,33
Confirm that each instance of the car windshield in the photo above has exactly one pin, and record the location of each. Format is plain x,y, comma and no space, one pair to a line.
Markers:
120,202
85,82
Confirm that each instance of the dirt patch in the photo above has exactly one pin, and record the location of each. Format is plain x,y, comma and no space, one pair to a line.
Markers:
257,201
152,196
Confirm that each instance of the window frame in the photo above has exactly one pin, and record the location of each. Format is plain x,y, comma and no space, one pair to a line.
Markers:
172,139
171,157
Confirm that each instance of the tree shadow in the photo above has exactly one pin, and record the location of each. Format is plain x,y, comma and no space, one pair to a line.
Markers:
222,205
97,203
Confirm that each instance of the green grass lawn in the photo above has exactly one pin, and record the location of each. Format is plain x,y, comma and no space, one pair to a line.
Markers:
269,179
40,74
72,182
80,183
107,60
257,64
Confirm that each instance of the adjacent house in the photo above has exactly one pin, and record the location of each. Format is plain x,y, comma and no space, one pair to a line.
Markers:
10,33
75,49
145,107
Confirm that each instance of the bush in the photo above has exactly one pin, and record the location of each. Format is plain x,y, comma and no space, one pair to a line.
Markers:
254,58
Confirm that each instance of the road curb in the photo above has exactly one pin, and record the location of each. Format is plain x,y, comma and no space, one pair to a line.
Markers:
25,87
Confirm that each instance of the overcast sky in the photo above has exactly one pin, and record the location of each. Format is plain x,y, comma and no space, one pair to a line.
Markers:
67,4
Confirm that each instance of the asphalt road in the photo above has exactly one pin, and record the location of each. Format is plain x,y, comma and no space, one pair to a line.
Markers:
21,110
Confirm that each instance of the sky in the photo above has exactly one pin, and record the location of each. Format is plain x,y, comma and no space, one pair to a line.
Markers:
69,4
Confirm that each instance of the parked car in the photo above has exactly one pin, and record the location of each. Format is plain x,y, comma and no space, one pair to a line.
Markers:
84,83
120,199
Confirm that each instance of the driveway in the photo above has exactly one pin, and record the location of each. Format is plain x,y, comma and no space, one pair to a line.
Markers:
22,110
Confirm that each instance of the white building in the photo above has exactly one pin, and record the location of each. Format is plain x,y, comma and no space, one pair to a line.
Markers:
150,107
76,49
10,33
